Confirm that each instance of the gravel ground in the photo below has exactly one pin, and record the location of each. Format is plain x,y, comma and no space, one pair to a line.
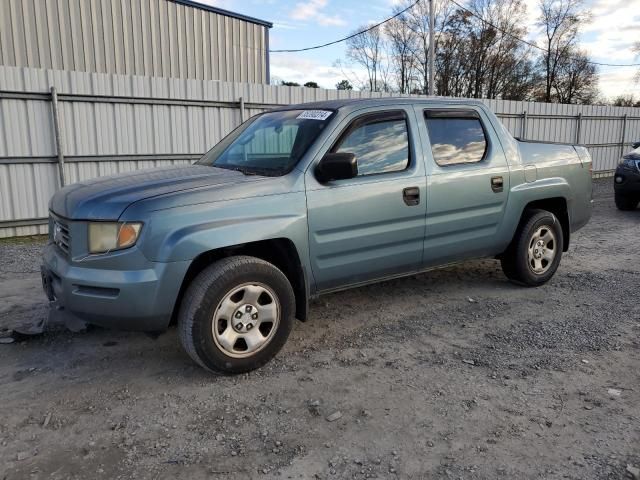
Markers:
452,374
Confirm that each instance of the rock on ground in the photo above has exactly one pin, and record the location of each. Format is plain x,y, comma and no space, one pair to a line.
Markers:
490,388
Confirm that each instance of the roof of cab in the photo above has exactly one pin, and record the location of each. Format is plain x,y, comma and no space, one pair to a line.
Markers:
356,103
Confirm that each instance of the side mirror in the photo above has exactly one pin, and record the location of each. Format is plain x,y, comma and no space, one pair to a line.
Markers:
337,166
635,145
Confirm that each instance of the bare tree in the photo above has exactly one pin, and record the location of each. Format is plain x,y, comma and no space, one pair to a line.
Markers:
522,79
636,50
625,101
479,54
506,69
560,20
350,75
452,56
402,45
385,74
577,79
417,19
367,50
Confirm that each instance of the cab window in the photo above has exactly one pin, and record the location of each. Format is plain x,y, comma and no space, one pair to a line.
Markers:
456,137
380,142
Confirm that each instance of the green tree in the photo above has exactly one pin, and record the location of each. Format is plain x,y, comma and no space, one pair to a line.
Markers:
311,85
344,85
290,84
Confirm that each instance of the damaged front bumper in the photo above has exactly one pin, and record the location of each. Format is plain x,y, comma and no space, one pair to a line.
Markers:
57,313
98,291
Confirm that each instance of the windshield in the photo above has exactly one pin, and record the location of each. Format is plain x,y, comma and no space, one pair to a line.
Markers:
268,144
633,154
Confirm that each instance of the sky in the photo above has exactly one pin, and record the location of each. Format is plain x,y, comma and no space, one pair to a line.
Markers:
608,38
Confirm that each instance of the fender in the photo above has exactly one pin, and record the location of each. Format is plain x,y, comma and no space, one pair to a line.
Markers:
184,232
188,242
521,195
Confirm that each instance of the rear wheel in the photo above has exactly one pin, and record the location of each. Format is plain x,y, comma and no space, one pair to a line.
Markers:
236,315
624,202
535,251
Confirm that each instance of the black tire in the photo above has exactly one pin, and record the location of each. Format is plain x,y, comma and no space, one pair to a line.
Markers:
625,203
515,261
203,298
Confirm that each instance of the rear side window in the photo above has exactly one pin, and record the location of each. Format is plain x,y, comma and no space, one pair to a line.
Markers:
456,137
380,142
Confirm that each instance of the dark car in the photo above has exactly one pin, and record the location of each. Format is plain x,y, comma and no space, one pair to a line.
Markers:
627,180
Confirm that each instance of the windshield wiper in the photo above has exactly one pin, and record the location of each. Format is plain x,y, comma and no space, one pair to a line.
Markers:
245,171
265,172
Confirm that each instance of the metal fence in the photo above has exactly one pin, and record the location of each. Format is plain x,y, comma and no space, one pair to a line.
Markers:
90,125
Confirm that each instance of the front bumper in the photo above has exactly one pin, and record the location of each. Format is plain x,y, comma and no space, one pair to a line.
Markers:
626,180
142,299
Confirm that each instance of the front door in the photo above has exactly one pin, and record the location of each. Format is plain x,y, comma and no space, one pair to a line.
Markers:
370,226
467,187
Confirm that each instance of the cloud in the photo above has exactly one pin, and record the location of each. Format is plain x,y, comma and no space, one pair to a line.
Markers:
330,21
608,36
283,24
308,10
608,39
447,153
619,81
301,69
312,10
378,148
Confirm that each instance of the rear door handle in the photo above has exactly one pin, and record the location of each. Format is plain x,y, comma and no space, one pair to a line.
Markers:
411,196
497,184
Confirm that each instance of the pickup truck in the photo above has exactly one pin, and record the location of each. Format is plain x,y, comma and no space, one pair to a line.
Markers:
301,201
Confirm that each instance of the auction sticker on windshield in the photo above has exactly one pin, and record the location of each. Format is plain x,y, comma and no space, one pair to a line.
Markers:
315,114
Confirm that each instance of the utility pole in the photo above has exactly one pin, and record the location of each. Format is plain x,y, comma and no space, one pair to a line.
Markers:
431,47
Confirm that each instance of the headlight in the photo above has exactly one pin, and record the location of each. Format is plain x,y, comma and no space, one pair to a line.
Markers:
629,163
109,236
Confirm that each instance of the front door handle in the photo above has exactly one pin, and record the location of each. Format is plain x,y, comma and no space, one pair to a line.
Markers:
411,196
497,184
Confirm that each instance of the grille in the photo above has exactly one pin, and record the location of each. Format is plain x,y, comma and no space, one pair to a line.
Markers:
61,236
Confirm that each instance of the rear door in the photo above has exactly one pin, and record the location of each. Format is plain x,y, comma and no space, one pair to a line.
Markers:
370,226
467,186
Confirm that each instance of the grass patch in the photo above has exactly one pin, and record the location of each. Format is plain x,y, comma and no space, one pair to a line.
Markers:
28,240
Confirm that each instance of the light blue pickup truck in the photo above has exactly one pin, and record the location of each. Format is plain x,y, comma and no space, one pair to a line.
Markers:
305,200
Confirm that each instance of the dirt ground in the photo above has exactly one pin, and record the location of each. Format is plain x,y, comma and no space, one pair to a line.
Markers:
452,374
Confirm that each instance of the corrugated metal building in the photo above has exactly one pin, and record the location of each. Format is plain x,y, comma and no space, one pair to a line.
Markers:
159,38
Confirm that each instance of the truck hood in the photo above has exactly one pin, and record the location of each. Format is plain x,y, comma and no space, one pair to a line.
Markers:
106,198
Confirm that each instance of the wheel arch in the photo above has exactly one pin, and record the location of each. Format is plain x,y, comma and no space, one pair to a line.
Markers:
559,207
280,252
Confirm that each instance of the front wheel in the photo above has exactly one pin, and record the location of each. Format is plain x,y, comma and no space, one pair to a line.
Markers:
236,315
624,202
535,252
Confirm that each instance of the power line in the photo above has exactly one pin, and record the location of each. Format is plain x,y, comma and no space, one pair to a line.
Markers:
372,27
522,40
